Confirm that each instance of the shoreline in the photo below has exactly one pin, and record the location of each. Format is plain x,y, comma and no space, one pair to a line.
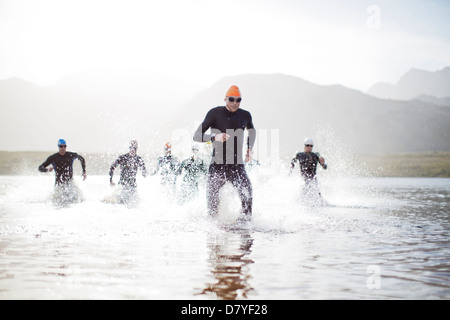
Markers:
414,165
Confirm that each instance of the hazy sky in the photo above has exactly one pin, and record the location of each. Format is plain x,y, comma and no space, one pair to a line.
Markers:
353,43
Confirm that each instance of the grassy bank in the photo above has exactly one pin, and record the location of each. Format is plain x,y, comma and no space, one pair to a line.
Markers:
435,164
397,165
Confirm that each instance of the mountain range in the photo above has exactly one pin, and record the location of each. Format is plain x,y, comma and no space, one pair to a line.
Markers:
338,117
431,86
102,111
94,111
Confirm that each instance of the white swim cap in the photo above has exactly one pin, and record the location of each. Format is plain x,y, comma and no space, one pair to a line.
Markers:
308,141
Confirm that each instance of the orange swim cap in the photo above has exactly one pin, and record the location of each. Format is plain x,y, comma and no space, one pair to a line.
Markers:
233,91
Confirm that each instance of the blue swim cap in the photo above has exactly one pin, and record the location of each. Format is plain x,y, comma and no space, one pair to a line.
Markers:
62,142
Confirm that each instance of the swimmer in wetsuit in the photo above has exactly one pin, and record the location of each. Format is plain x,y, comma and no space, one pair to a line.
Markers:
193,168
129,164
62,163
66,191
227,124
167,165
308,161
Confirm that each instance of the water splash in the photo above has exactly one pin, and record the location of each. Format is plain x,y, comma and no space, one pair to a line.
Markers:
277,197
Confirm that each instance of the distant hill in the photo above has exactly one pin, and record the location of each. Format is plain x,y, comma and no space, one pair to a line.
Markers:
414,85
438,101
96,110
102,111
334,116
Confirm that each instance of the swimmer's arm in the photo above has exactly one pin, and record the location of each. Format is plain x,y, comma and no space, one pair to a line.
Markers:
45,164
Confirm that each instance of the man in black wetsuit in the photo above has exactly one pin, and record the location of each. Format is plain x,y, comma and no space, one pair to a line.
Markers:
129,164
62,163
308,161
227,124
167,165
66,192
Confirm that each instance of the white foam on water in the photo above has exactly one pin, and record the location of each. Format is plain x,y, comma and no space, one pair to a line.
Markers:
277,201
140,251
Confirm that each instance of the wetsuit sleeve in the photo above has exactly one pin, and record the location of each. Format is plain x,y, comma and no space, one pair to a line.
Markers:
142,165
324,165
294,160
113,166
158,163
251,132
180,168
199,135
83,162
45,164
175,164
204,168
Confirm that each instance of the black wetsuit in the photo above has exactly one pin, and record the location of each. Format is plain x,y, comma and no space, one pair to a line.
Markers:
129,166
194,168
227,163
168,166
220,120
63,166
308,164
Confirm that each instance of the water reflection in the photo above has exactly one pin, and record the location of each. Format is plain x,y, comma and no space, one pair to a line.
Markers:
229,258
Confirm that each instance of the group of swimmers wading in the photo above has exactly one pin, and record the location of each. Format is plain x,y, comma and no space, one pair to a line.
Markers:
225,126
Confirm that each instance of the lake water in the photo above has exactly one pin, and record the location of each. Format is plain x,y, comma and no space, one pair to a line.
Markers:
381,238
